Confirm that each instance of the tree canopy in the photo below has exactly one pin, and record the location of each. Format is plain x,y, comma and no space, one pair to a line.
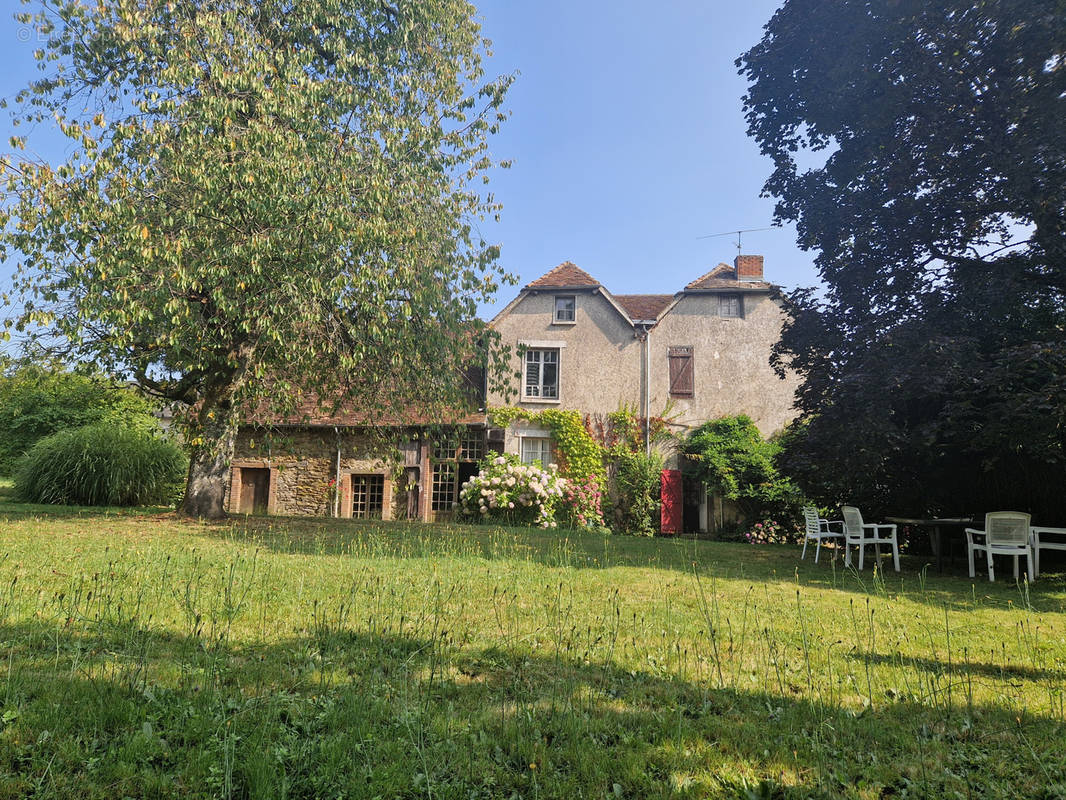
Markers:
267,200
920,151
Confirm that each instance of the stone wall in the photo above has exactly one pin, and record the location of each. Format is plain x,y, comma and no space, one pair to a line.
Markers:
303,463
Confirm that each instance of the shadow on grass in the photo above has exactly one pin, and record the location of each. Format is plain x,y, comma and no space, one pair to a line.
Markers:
10,510
573,550
125,710
965,666
580,550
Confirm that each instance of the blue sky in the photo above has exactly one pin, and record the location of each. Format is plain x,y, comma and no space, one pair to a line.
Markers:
629,142
626,134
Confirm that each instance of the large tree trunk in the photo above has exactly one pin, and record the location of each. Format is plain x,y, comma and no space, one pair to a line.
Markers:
209,467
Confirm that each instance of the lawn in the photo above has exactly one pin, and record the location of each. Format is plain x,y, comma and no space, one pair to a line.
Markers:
145,656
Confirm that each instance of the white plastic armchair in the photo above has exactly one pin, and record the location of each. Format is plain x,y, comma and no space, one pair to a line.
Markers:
861,534
1006,533
1045,539
818,529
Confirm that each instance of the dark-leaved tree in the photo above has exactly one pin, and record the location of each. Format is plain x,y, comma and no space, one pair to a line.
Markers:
920,150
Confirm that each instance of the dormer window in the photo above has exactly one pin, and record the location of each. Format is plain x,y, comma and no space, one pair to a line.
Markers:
565,308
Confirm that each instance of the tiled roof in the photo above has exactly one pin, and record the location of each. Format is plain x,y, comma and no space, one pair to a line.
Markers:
644,306
566,274
395,409
313,415
724,277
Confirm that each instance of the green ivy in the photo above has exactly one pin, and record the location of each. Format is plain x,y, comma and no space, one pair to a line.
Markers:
635,490
580,454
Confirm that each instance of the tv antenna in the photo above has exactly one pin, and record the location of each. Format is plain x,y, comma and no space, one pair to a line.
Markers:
737,234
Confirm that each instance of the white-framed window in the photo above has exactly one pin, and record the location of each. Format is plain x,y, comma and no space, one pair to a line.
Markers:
537,448
730,305
565,308
542,374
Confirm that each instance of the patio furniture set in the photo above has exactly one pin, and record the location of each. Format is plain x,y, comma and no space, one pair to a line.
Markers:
1005,533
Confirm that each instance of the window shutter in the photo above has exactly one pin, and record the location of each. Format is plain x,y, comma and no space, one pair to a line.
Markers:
681,382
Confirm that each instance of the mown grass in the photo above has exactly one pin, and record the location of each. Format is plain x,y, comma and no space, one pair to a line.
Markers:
144,656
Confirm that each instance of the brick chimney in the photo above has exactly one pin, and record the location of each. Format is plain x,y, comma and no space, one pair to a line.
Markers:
749,268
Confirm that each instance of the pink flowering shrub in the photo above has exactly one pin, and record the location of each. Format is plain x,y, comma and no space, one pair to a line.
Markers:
506,490
769,531
583,502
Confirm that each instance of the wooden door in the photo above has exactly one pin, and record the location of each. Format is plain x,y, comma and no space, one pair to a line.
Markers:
671,517
255,490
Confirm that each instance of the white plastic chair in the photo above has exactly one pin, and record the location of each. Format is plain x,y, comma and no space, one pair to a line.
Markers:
1039,544
855,535
1006,533
818,529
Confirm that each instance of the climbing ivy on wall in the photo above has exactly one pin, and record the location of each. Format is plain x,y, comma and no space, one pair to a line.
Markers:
580,455
602,453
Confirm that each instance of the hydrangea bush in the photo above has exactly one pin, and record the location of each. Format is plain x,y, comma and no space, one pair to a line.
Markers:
507,490
583,502
769,531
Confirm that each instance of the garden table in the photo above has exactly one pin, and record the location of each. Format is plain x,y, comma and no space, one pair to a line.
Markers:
936,526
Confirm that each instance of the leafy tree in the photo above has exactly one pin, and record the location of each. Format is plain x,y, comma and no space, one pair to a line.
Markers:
919,149
268,202
37,401
730,456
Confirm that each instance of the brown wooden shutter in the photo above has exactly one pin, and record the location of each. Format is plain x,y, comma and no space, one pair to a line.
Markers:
681,382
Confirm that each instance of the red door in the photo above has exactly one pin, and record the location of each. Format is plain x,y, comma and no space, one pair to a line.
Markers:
672,510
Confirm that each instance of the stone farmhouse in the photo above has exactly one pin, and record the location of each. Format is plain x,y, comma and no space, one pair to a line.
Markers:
699,354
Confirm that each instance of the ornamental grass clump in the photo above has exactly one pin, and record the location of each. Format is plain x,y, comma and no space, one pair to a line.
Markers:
506,490
101,465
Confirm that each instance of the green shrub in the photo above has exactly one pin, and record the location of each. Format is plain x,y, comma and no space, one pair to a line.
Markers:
101,465
37,401
731,457
636,485
506,490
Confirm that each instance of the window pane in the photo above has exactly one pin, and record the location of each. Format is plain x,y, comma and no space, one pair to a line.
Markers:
368,496
533,380
444,486
728,306
551,380
536,449
542,374
564,309
472,446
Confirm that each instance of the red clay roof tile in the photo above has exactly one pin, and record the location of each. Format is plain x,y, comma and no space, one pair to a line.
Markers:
566,274
644,306
724,277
